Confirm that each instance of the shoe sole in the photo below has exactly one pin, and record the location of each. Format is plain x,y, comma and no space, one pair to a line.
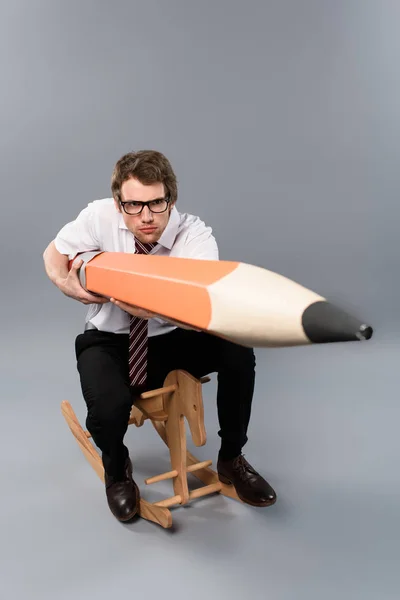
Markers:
227,481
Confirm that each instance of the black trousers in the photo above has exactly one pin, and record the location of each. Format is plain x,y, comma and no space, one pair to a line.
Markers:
102,363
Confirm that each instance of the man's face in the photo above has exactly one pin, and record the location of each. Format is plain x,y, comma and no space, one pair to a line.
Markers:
148,226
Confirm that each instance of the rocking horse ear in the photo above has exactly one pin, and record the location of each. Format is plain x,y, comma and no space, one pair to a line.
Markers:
242,303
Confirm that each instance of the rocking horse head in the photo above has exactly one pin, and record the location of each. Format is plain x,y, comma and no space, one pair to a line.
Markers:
191,405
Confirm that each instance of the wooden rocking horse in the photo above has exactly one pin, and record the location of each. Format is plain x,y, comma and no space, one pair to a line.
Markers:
166,408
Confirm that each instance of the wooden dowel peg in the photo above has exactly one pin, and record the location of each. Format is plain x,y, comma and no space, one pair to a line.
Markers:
162,477
204,491
169,501
199,465
158,391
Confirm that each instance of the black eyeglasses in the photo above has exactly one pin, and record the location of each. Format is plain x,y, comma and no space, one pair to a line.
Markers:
134,207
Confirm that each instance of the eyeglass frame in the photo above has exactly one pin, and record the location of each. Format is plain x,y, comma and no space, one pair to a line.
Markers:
167,199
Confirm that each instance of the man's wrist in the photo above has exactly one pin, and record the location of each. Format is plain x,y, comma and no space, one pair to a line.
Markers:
59,281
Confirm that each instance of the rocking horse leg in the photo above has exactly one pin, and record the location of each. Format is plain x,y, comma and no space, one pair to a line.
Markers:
209,476
206,475
85,445
159,426
157,514
176,442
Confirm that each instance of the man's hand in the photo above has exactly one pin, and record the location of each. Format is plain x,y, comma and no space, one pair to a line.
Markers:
146,314
71,287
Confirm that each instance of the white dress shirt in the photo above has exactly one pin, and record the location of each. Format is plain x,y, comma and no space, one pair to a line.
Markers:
100,226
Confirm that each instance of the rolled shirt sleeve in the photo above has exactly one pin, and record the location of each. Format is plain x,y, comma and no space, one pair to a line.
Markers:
78,235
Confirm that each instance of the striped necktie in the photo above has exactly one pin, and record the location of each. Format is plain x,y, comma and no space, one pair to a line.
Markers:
138,330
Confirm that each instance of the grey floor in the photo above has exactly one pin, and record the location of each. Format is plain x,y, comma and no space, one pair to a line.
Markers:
334,532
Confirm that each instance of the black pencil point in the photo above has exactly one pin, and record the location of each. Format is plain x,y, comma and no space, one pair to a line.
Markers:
324,323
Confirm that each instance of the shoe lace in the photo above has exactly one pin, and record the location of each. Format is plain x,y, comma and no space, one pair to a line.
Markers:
243,467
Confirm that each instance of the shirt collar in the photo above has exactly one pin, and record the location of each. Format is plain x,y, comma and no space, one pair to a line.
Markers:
168,235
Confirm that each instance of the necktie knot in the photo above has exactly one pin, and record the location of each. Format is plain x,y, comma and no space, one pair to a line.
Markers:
141,248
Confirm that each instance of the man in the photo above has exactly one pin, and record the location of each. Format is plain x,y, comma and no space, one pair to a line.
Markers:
142,216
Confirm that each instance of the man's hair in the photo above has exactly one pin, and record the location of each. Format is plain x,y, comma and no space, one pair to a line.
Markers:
147,166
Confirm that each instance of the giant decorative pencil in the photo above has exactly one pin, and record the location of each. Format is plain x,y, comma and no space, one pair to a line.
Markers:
240,302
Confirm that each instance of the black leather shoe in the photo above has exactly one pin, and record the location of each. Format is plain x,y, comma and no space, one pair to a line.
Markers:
122,494
249,485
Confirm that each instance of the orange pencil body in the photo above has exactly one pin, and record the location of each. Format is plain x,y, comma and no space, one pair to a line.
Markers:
243,303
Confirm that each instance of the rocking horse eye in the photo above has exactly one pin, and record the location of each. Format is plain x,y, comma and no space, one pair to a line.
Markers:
194,407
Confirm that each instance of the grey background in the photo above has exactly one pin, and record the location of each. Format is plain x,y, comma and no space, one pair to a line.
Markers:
281,119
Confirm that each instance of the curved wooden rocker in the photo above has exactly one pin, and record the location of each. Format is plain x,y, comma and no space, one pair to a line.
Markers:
166,408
